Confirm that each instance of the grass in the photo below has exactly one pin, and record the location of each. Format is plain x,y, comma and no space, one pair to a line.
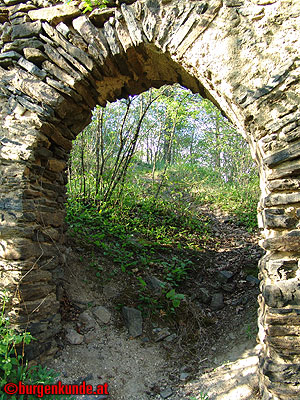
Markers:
144,235
143,238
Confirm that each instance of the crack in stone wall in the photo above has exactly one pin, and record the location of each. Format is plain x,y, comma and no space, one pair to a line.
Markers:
56,64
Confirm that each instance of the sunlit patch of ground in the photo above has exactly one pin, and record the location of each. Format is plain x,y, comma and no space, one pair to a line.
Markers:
231,381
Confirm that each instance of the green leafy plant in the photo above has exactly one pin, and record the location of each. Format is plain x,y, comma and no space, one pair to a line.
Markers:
251,330
202,396
175,298
90,5
13,366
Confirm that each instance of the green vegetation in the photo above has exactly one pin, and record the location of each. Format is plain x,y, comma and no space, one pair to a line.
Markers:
90,5
13,366
138,177
202,396
141,237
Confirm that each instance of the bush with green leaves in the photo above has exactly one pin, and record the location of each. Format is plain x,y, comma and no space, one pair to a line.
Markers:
13,365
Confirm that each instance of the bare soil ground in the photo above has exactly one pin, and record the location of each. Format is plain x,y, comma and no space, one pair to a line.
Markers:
206,352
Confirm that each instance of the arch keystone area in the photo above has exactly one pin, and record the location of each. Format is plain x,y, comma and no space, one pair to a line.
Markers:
56,64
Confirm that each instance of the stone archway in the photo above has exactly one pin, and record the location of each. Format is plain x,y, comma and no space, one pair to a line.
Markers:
56,65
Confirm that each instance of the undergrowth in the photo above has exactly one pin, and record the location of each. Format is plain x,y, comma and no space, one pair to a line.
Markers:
143,234
13,366
238,197
140,236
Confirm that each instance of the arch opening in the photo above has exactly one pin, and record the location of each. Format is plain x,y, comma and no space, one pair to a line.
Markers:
125,273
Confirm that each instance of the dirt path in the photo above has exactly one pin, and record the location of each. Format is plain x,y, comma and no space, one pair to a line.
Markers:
221,363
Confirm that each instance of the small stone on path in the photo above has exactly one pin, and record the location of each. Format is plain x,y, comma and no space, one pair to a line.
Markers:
224,276
133,321
86,319
90,337
183,376
252,279
102,314
203,296
155,284
161,335
73,337
217,302
166,393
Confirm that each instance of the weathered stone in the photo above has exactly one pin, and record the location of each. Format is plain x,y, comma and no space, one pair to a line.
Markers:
35,88
99,16
73,337
166,393
281,199
89,32
155,284
203,295
274,220
133,321
55,14
56,165
132,26
34,55
58,73
283,185
76,52
290,153
10,54
44,111
20,20
57,58
224,276
21,8
35,291
11,2
102,314
87,320
30,67
217,301
64,89
26,30
90,337
111,38
20,44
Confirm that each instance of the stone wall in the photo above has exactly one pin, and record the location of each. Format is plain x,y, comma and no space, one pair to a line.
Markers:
56,64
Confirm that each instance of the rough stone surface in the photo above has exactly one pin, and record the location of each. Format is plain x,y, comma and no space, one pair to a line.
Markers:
102,314
243,55
203,296
87,320
224,276
217,302
133,321
155,284
73,337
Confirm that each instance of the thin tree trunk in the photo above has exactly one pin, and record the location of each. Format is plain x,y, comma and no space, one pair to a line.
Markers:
168,155
83,178
156,153
99,152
